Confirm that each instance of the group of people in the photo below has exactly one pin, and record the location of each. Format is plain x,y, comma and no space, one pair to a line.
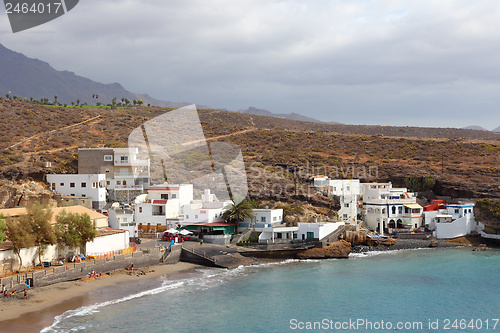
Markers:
130,268
94,274
13,294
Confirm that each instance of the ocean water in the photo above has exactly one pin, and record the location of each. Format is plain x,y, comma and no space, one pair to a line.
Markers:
410,291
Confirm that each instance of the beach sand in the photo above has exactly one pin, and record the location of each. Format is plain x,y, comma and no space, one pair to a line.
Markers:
44,303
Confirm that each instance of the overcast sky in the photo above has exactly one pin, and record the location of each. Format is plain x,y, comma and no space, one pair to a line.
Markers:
421,62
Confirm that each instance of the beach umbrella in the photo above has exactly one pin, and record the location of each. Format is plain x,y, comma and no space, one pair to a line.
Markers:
172,231
185,232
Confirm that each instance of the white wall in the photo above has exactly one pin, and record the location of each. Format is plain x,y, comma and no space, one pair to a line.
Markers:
103,244
457,228
95,186
320,230
29,256
121,219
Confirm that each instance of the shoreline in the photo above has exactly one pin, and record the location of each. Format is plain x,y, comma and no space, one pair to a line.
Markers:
45,303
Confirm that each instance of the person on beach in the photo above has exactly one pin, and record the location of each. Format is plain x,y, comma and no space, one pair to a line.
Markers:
201,241
5,293
25,293
13,294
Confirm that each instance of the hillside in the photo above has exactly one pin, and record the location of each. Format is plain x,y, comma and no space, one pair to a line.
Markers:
463,162
27,77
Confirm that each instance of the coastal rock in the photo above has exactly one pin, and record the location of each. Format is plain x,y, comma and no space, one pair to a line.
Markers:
433,244
339,249
481,247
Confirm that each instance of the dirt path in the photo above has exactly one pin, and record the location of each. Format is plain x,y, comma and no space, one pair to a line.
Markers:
53,131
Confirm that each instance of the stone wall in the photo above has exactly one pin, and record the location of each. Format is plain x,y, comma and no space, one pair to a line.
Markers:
123,195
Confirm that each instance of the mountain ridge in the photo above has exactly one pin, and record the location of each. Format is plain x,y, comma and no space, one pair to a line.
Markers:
30,77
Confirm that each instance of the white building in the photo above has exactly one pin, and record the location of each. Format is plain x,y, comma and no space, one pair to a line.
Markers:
262,218
318,230
302,232
163,205
207,210
455,220
80,185
126,175
123,218
386,209
348,190
338,187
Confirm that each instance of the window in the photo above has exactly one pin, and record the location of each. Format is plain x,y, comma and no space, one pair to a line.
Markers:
106,170
262,219
383,210
393,210
83,195
108,182
61,184
274,218
346,205
279,235
310,234
174,196
407,210
196,216
94,184
140,209
53,186
457,211
124,159
164,196
84,185
345,216
124,182
72,195
118,182
71,184
125,219
108,158
187,216
400,210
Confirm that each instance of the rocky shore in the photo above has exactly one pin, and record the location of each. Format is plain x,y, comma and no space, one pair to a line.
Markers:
404,244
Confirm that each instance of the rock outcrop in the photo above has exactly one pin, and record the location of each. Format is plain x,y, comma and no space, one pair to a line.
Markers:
339,249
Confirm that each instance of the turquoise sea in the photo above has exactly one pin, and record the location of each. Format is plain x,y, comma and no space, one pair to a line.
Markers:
435,290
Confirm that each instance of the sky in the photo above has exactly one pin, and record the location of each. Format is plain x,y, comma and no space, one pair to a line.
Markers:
406,63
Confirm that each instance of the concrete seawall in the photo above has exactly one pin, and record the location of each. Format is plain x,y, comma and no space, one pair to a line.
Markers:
79,270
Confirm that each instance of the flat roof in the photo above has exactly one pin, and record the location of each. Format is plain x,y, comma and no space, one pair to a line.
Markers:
55,211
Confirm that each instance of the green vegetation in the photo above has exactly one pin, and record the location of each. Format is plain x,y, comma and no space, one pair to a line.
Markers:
74,230
238,212
2,229
38,218
19,232
420,184
491,208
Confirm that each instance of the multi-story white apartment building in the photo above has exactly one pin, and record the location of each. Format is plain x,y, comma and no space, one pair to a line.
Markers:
348,190
126,175
80,185
386,208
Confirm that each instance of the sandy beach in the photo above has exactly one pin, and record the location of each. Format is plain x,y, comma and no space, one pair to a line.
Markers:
47,302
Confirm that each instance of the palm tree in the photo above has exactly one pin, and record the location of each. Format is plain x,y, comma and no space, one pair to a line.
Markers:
77,102
238,212
55,98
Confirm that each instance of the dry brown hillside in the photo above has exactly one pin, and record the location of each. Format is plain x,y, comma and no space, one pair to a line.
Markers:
462,162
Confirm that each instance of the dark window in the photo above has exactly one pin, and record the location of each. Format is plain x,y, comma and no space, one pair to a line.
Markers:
393,210
164,196
61,184
71,184
84,184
